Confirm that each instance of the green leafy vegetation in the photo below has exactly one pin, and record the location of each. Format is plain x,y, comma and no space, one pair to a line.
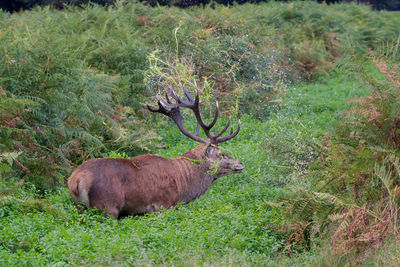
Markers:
351,192
320,170
74,82
232,223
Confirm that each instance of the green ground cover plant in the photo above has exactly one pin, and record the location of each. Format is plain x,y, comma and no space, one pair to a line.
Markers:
74,83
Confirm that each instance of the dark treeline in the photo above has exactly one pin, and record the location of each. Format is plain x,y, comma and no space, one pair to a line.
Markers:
17,5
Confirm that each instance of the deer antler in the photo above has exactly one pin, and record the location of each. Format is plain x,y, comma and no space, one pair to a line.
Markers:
193,104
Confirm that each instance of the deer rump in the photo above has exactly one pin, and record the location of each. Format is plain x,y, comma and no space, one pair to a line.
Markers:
150,183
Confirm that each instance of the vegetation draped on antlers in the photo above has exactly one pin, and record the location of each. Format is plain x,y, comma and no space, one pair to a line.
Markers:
175,114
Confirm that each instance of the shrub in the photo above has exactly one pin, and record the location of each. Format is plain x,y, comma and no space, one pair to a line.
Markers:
352,192
64,104
255,54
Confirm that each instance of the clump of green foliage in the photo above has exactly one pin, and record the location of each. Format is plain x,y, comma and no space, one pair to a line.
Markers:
351,193
252,55
62,104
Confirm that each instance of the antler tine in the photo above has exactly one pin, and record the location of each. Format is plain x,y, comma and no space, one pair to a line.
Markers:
189,97
209,126
160,109
224,130
196,91
196,97
196,133
167,98
230,136
179,100
163,104
152,109
194,106
174,95
196,110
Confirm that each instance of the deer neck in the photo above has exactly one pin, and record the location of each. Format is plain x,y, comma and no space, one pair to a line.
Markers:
199,178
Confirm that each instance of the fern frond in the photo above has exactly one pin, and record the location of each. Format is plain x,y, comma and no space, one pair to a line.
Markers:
385,176
63,158
336,217
396,163
9,157
328,199
343,224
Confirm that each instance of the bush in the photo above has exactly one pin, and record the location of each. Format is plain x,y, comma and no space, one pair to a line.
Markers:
63,104
252,55
352,191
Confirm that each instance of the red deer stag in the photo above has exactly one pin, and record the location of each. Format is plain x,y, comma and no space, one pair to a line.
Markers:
149,183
